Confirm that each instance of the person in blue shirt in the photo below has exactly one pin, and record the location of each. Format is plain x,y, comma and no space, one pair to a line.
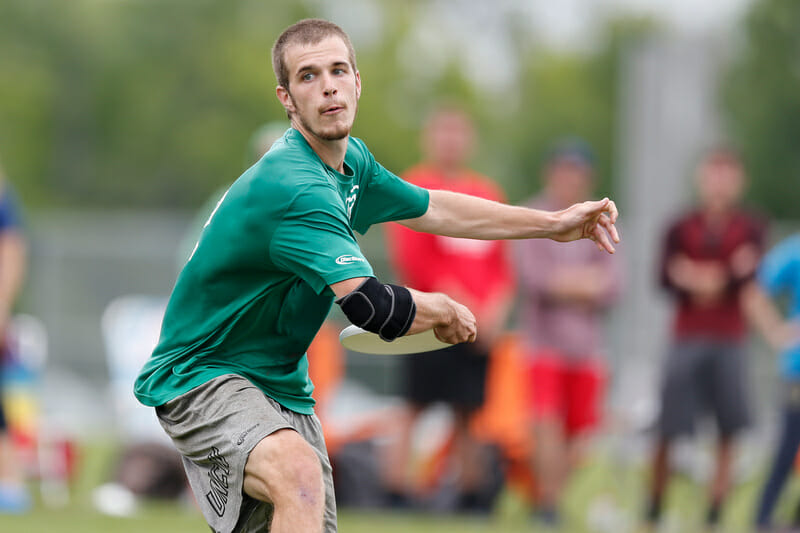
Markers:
13,263
778,278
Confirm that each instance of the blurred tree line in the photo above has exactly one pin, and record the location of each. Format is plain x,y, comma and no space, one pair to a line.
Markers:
151,103
761,95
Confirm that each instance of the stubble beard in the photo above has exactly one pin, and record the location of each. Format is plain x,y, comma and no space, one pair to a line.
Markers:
332,134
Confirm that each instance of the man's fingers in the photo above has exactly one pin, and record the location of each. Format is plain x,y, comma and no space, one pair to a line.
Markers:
602,238
595,207
613,213
608,224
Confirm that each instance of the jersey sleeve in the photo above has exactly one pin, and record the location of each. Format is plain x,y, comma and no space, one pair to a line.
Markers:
779,267
314,240
9,211
387,197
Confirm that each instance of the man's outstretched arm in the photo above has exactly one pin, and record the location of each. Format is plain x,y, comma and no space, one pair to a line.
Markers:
460,215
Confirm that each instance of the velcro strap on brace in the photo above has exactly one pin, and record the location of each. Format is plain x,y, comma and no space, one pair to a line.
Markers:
385,309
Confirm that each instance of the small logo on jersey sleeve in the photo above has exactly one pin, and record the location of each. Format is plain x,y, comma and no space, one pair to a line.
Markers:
348,259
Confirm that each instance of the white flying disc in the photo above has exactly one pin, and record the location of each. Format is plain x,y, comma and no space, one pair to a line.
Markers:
356,339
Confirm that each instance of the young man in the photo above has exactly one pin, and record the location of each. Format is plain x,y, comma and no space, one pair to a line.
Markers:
565,291
709,255
779,276
13,267
229,376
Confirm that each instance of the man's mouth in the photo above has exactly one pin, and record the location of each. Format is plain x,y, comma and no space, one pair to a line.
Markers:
332,110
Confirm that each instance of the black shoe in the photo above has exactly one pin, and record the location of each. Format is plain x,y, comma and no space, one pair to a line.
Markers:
714,513
547,516
398,501
653,514
473,502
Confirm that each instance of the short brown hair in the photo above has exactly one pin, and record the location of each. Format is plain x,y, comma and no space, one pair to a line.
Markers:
306,31
722,154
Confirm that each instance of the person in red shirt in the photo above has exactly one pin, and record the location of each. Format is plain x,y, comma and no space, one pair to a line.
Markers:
709,255
475,272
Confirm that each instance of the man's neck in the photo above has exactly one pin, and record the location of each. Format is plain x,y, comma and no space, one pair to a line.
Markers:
331,152
448,171
717,215
557,201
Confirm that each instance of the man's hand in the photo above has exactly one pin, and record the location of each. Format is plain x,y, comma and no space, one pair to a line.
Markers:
451,322
704,281
585,285
588,220
744,261
460,327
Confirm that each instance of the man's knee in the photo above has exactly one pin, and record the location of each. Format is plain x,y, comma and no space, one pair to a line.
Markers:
285,470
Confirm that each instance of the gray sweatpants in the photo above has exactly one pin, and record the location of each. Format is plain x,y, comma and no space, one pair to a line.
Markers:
215,427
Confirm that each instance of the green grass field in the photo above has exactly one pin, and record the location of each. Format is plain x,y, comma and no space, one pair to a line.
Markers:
602,498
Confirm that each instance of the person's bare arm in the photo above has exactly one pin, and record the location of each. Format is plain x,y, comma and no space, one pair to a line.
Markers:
584,284
460,215
704,281
13,261
452,322
767,319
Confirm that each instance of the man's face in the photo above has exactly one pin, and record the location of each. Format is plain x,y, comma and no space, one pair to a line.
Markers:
569,182
449,139
322,97
721,184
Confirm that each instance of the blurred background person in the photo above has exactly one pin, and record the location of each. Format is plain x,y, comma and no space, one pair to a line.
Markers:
564,294
475,272
147,466
779,276
258,144
709,254
13,265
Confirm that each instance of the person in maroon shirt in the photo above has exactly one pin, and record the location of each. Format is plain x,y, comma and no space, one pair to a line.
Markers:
709,255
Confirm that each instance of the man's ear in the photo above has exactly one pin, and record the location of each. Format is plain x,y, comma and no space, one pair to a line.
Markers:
285,98
358,85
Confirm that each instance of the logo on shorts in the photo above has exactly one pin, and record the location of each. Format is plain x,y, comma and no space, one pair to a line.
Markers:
244,434
348,259
217,497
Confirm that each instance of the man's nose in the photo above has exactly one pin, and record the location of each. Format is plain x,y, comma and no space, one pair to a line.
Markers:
329,88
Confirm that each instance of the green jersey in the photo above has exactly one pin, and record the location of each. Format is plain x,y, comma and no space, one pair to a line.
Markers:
255,291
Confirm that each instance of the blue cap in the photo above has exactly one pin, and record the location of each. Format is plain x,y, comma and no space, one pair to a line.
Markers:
574,150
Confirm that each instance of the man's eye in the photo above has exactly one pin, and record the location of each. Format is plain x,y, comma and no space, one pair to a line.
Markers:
308,76
338,71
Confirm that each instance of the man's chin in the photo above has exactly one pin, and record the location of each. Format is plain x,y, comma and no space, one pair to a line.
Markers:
335,131
336,136
333,134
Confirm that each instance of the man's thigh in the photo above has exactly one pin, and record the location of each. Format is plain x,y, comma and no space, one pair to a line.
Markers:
681,389
215,427
546,370
585,391
729,387
282,458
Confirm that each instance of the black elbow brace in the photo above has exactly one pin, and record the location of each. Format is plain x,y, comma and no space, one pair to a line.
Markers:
385,309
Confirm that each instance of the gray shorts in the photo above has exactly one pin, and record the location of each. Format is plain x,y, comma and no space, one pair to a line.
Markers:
215,427
704,376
